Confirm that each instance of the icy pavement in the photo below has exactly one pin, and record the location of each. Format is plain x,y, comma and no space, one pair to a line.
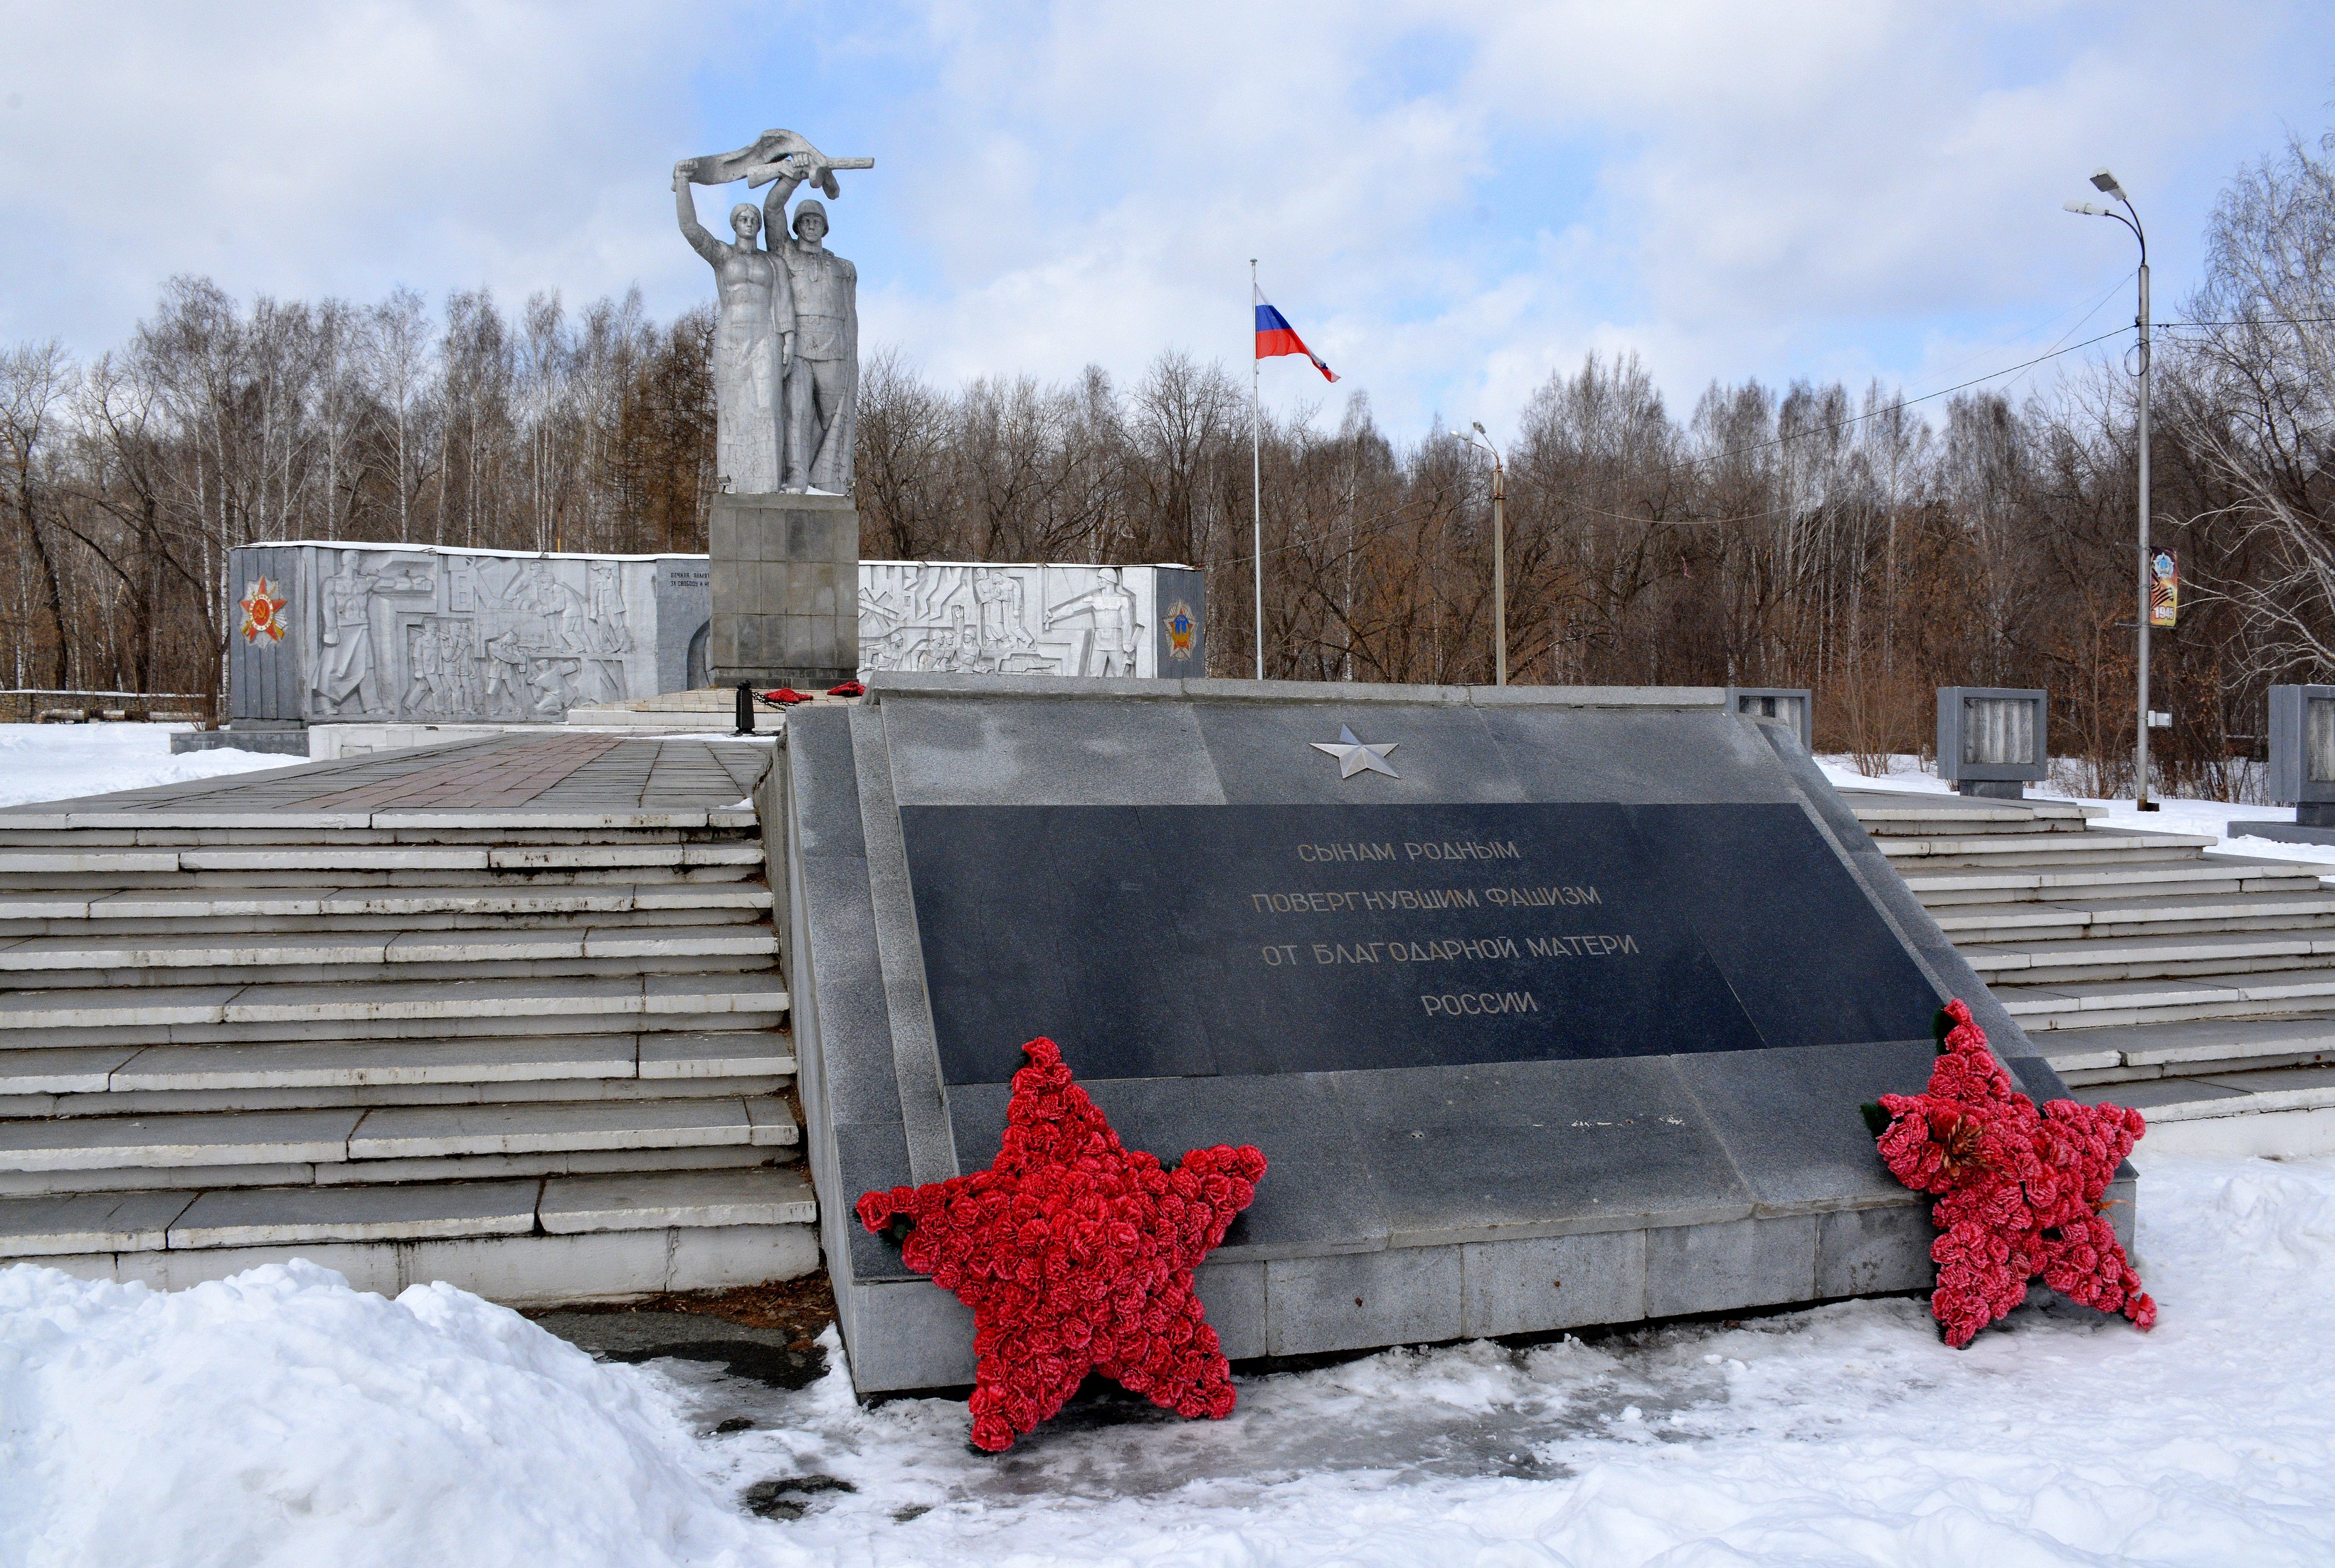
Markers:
281,1418
61,761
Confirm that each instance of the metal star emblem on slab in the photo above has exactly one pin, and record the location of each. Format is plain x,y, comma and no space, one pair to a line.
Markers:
1354,756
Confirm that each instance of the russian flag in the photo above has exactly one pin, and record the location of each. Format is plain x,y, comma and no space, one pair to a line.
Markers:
1274,335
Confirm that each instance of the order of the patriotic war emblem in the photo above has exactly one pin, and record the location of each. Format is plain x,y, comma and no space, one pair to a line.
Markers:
263,604
1181,629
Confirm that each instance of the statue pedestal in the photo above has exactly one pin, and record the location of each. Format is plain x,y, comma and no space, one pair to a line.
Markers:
786,590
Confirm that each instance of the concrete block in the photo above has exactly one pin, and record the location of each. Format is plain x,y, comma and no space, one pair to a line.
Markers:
1233,1295
1870,1250
80,1265
522,1271
708,1258
299,1216
157,1142
366,1266
1550,1282
108,1222
908,1335
664,1201
1709,1268
413,1132
1406,1295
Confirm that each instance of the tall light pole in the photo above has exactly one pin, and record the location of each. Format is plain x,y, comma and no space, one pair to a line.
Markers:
2105,182
1499,558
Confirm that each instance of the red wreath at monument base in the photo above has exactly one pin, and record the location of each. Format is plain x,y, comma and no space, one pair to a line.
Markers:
1075,1254
2019,1193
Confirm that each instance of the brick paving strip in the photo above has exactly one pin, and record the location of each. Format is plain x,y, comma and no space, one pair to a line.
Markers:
588,772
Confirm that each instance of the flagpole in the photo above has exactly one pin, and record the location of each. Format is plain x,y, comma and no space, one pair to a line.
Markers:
1257,468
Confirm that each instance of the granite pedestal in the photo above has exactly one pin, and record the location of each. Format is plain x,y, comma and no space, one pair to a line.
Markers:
786,590
1550,1007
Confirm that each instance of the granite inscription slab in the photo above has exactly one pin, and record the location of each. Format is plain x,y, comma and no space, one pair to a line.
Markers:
1550,1007
1193,939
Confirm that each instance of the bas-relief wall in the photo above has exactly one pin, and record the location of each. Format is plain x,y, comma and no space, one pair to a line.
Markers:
966,617
332,633
384,633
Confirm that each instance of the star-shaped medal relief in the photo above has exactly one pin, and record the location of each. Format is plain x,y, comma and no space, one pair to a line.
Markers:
1354,756
1076,1255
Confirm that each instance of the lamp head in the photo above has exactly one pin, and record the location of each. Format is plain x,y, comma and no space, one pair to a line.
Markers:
1478,426
2088,208
2103,180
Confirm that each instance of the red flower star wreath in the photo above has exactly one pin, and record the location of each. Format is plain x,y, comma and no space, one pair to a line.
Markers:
1075,1254
2020,1194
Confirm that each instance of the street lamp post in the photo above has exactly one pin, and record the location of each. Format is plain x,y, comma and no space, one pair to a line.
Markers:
1499,559
2106,183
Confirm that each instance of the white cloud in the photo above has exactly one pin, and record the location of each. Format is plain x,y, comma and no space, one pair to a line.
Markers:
303,148
1451,204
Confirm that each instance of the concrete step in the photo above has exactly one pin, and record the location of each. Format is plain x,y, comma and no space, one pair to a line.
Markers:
36,822
32,864
84,960
2236,954
2198,876
385,1063
456,1167
748,999
2081,1005
2094,846
2286,1112
319,1137
2171,915
1899,815
155,1221
561,1090
2141,1052
160,911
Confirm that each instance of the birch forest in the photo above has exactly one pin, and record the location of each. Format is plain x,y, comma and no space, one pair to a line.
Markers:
1853,539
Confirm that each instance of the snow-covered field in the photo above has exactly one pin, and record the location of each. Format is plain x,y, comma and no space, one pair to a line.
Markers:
281,1418
59,762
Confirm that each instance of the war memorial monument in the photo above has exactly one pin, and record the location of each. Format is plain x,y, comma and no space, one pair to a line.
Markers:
1535,1007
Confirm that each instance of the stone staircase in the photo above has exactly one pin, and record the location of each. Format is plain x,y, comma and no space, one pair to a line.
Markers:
533,1046
2199,987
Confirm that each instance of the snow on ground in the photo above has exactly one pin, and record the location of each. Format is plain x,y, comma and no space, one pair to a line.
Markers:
280,1418
2178,814
60,761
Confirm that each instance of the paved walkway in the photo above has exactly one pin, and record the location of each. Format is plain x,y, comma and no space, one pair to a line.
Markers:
550,772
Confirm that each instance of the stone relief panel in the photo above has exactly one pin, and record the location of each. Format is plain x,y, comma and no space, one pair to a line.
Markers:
435,636
968,618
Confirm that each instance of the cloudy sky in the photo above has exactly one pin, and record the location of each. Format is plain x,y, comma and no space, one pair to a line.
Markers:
1450,202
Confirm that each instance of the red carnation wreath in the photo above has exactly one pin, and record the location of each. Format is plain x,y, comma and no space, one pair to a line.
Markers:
1075,1254
2020,1194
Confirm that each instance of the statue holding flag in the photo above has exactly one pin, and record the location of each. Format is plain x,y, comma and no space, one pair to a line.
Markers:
786,341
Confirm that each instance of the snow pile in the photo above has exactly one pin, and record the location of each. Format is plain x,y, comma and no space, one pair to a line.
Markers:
280,1418
61,761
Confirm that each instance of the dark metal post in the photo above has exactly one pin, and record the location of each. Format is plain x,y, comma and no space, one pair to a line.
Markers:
745,709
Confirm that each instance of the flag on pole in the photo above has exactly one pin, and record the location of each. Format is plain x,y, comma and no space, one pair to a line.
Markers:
1274,335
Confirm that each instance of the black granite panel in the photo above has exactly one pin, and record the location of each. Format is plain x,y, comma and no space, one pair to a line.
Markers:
1789,926
1051,920
1163,941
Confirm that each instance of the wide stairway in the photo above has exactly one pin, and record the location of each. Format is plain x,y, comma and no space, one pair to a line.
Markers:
2199,987
504,1013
